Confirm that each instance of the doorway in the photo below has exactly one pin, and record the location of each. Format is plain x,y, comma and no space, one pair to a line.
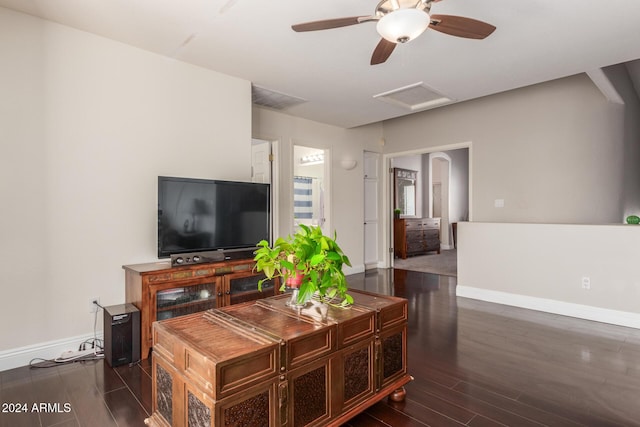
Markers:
442,191
311,187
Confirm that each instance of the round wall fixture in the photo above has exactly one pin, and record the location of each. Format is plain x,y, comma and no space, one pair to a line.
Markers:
348,164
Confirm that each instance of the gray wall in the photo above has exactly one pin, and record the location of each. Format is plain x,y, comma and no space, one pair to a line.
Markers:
619,77
554,151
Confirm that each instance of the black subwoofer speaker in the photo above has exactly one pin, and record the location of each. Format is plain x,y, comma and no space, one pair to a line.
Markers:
121,334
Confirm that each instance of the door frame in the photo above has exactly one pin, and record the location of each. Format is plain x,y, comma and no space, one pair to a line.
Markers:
377,222
274,148
327,185
388,185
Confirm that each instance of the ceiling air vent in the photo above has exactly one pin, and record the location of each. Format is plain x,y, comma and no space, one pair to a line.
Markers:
272,99
414,97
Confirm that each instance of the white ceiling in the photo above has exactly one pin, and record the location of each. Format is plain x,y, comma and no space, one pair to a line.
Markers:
535,41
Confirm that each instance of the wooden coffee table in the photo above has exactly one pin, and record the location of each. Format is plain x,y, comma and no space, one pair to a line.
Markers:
264,363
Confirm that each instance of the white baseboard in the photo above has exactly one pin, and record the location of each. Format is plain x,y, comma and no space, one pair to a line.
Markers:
354,269
17,357
604,315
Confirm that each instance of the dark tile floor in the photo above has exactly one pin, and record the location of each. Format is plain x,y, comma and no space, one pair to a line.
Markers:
80,394
474,364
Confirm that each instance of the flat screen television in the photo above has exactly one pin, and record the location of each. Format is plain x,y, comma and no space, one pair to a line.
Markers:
196,215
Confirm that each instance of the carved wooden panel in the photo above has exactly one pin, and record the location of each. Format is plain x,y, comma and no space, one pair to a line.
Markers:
198,413
253,412
310,396
164,393
357,374
393,354
391,347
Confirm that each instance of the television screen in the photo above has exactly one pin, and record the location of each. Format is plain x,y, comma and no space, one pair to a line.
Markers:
205,215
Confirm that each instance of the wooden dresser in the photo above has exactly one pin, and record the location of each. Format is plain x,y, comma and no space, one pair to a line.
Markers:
264,363
415,236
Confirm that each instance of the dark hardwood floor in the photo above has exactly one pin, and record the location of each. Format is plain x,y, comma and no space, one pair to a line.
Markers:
474,364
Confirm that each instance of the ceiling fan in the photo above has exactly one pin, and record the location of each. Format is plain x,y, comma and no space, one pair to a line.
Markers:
400,21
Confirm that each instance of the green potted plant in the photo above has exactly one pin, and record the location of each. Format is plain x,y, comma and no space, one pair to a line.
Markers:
396,213
309,262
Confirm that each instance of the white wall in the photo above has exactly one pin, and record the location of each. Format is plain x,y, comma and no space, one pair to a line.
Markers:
459,186
541,266
553,151
347,186
86,126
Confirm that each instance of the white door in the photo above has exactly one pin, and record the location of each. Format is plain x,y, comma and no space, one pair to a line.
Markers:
371,161
260,161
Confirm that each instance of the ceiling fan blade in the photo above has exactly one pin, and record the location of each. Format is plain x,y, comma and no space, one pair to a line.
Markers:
382,51
328,23
461,27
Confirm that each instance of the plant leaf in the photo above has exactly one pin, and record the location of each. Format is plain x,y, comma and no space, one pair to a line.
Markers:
305,293
346,260
316,259
334,256
268,270
348,300
323,244
288,265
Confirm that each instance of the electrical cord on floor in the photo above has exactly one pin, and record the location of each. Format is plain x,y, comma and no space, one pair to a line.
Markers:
50,363
137,362
95,344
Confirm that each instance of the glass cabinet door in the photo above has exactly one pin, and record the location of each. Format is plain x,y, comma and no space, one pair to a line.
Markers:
244,287
185,300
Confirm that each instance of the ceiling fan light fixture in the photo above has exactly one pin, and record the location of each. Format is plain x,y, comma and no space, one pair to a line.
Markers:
403,25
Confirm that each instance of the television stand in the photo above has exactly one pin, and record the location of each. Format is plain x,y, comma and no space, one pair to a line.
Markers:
161,291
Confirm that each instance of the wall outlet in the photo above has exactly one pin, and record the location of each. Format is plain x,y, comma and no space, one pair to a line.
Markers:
586,283
93,308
